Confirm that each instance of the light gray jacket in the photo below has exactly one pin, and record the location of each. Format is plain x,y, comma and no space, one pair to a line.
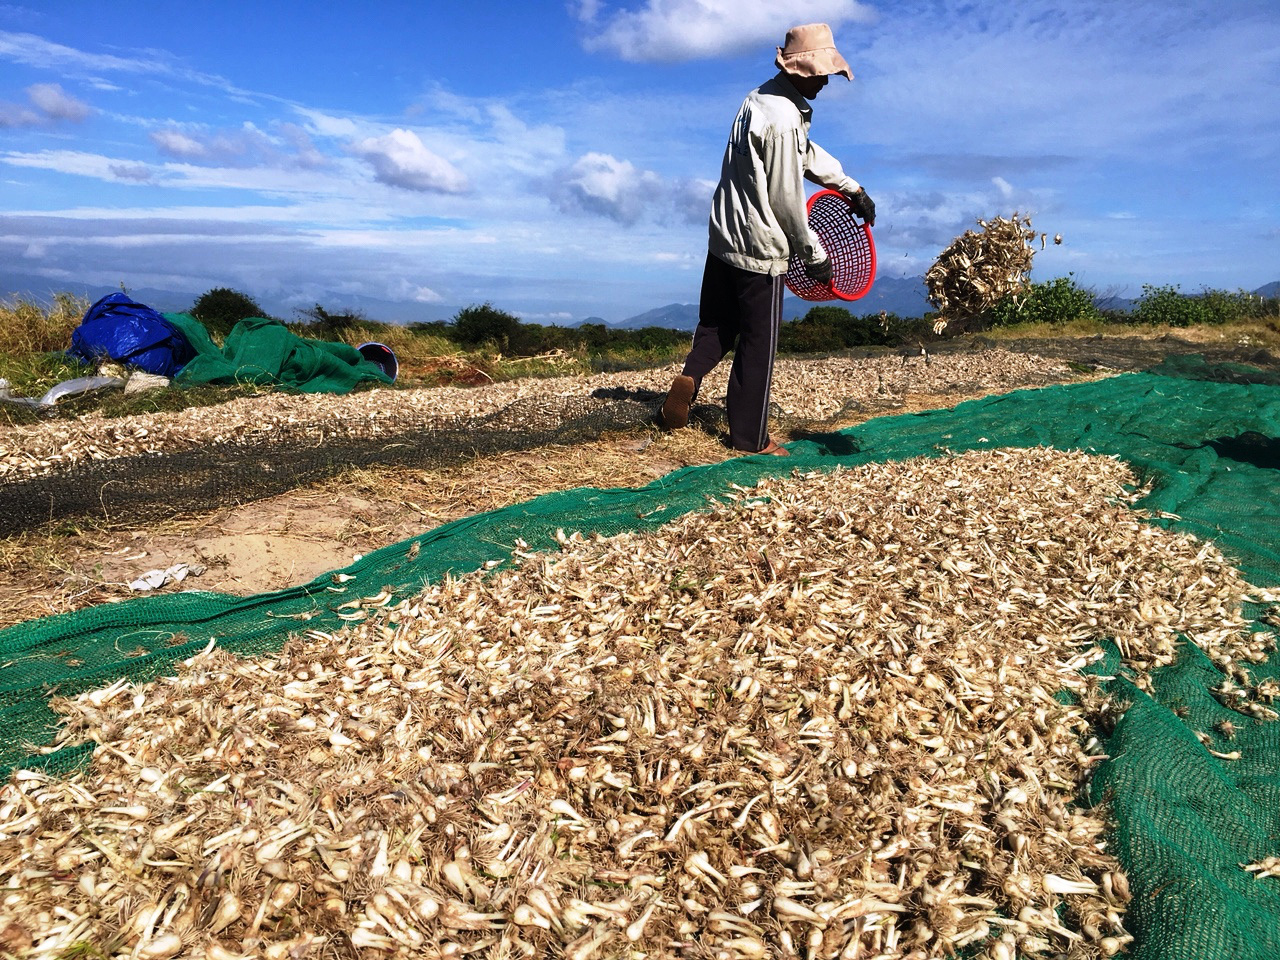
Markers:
758,211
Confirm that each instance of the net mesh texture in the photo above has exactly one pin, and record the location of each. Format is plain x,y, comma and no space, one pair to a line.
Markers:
153,487
1203,435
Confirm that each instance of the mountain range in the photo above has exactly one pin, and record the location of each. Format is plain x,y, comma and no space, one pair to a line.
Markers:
904,296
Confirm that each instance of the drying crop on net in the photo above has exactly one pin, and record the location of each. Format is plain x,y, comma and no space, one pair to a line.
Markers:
980,268
805,389
818,720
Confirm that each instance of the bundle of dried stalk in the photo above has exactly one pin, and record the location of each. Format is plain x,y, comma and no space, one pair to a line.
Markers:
980,268
816,721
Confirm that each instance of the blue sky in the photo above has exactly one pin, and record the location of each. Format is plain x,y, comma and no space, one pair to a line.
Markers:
557,159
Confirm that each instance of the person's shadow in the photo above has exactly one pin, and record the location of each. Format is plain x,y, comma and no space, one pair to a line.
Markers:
829,444
1249,447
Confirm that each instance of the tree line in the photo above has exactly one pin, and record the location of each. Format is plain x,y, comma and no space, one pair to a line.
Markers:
822,328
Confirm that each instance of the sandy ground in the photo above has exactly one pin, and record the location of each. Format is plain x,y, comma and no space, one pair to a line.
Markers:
290,539
293,538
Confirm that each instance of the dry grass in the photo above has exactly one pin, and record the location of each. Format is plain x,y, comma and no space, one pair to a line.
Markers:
421,357
28,326
1264,333
436,497
56,569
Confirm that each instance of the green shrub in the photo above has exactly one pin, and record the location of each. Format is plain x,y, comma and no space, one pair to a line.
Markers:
320,324
531,339
636,349
222,308
430,328
593,336
1165,306
1113,315
1220,306
485,323
1169,307
656,339
826,329
913,330
1058,301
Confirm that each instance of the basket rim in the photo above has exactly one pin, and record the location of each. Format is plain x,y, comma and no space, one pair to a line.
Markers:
833,292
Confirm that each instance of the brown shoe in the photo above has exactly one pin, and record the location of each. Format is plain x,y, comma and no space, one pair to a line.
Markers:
675,409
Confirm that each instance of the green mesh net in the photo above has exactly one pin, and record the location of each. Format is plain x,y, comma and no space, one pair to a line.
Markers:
1204,436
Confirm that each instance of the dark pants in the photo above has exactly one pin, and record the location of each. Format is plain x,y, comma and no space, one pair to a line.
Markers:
740,311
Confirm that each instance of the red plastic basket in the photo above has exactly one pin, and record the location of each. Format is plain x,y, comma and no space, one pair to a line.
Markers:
848,244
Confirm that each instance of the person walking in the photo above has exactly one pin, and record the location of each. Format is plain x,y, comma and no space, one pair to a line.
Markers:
758,221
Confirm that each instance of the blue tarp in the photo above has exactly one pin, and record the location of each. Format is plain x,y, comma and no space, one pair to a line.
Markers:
121,329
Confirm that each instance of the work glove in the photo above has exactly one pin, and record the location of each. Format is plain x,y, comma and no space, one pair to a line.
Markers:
863,206
819,271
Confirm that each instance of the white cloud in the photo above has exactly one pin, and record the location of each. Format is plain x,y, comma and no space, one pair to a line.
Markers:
603,185
35,51
51,103
325,125
675,30
922,223
245,145
692,199
29,49
404,289
13,115
242,145
76,162
305,152
178,144
683,259
137,172
401,159
56,103
498,144
1103,77
1004,186
325,194
526,147
585,10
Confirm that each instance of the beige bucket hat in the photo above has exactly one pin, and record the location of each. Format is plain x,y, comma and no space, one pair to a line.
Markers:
810,51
